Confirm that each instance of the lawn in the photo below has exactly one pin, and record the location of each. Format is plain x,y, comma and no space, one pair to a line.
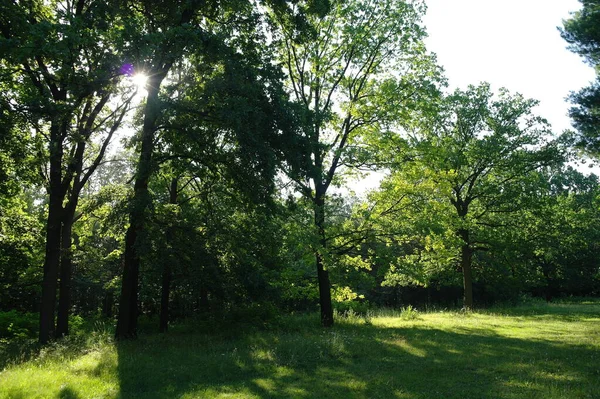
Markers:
534,351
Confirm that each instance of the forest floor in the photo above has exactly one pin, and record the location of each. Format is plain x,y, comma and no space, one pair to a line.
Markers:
533,351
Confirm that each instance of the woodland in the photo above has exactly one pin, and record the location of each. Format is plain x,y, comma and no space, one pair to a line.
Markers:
168,162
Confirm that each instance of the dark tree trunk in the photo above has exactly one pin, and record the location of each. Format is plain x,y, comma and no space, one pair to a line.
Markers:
164,300
322,273
550,281
66,270
166,275
107,304
51,266
53,241
466,256
203,300
127,318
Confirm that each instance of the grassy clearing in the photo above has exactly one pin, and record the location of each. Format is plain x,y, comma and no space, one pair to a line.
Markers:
538,351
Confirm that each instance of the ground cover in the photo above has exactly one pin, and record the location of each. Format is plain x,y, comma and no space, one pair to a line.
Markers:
534,351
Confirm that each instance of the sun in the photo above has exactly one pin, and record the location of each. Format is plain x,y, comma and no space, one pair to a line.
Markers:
140,80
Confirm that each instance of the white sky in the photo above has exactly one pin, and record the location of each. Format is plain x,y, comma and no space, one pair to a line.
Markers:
509,43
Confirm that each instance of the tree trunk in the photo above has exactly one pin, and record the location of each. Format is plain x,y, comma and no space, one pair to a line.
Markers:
66,270
164,300
53,232
107,304
550,281
51,266
166,275
127,318
322,273
203,304
466,256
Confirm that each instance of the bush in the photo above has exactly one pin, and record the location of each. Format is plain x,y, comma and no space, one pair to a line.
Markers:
14,324
352,307
409,313
345,300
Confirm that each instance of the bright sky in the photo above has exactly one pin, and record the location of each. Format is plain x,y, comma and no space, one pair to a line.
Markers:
509,43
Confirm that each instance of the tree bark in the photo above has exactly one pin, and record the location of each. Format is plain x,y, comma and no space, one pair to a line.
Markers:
107,304
127,317
466,256
51,266
53,237
550,281
66,271
167,273
322,273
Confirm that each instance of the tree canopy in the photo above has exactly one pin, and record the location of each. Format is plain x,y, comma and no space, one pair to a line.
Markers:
219,190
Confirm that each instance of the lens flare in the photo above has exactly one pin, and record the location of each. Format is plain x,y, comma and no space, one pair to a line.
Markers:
140,80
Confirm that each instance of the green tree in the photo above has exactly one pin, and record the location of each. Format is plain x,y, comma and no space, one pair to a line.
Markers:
62,77
481,150
558,239
20,251
224,108
353,73
582,32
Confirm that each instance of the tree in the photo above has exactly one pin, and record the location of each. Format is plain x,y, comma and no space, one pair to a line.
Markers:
558,239
158,32
354,72
582,32
63,78
232,107
481,150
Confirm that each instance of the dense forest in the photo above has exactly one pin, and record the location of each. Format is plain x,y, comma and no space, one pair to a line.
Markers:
178,159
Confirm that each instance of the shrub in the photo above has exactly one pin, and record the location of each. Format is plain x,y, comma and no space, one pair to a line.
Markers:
409,313
345,300
14,324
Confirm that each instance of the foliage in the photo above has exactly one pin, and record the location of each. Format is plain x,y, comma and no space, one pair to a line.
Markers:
18,325
20,254
409,313
231,183
583,35
477,156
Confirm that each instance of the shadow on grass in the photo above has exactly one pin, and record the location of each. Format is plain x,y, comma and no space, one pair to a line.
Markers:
18,351
67,393
355,361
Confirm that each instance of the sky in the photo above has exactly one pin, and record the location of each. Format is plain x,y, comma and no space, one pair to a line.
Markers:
509,43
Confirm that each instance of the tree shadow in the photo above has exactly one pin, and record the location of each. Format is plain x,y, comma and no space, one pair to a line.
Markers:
67,393
18,351
354,361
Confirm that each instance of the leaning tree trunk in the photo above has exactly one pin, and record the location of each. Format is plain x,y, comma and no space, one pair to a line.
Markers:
53,241
466,256
167,273
322,273
127,318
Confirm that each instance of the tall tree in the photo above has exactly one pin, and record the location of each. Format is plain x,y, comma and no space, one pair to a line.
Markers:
64,69
352,73
481,150
159,31
197,37
582,32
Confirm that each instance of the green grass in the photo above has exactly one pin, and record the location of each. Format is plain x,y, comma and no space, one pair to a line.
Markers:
536,351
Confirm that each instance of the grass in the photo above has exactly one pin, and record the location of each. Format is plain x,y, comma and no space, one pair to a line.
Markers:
536,351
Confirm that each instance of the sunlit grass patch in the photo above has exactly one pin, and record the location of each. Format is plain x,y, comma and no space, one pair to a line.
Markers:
542,351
